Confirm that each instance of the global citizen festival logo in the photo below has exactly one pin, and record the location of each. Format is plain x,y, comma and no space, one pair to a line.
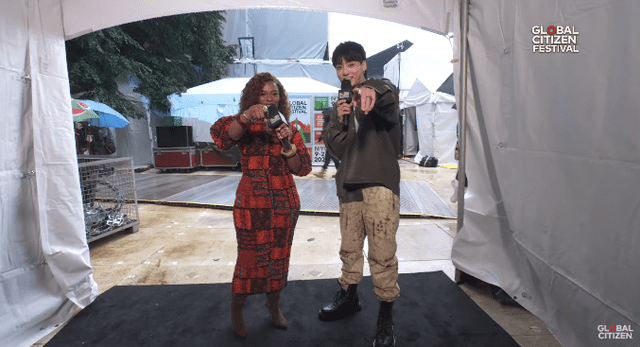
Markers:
554,39
615,332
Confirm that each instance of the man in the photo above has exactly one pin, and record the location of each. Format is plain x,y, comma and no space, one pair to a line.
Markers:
364,135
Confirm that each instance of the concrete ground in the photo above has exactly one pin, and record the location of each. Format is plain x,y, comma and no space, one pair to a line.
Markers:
189,245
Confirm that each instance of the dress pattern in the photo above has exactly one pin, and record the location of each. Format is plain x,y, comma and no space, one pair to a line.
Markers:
266,208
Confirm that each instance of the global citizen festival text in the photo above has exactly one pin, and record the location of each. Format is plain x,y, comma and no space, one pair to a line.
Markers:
615,332
554,39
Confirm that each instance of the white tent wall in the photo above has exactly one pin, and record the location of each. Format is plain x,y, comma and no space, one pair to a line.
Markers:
268,27
551,214
136,139
286,43
45,270
436,133
409,132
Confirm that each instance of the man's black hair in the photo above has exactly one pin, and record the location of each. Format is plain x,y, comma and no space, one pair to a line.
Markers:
350,51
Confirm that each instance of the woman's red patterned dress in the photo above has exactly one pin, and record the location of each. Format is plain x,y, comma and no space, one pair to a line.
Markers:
266,208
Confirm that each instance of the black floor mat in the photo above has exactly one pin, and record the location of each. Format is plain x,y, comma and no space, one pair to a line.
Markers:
431,311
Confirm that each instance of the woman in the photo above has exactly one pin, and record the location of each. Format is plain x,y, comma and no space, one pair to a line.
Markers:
267,203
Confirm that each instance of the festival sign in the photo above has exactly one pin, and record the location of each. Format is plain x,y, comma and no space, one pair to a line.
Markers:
301,118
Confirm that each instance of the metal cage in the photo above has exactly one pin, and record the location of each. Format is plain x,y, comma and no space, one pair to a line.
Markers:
109,196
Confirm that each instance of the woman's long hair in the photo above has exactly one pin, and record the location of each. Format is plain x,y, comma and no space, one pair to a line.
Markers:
253,88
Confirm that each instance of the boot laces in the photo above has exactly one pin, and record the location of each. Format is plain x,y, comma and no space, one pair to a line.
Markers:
385,325
340,296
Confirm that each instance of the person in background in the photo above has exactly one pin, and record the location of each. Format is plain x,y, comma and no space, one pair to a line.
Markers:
83,138
326,114
267,203
91,140
102,141
365,136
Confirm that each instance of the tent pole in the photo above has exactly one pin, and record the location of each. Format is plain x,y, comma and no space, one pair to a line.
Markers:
464,29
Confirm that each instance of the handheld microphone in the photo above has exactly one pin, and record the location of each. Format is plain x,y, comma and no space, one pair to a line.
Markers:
346,92
276,119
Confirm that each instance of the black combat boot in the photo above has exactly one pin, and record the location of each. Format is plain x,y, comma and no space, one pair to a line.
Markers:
344,304
384,326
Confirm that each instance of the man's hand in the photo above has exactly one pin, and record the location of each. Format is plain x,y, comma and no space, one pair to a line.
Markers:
343,109
366,99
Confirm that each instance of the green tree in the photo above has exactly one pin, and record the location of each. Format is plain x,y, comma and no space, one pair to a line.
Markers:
168,54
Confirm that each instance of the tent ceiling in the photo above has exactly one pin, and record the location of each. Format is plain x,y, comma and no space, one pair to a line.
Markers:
84,16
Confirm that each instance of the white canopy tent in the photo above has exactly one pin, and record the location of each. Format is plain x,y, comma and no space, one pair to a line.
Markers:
293,85
418,72
436,120
551,212
210,101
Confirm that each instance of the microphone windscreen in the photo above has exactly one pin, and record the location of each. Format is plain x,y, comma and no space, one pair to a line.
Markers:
346,84
273,111
345,92
275,117
275,120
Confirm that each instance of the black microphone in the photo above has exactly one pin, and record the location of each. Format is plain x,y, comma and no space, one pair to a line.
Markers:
275,120
345,93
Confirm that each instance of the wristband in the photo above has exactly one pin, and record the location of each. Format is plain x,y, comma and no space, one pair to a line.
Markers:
242,124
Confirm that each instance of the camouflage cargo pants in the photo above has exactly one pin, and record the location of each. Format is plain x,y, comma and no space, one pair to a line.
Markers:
376,218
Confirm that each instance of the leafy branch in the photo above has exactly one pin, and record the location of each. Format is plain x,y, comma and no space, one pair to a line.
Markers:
168,55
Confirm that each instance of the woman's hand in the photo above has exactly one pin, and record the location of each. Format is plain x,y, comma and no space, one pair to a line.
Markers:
256,112
285,131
